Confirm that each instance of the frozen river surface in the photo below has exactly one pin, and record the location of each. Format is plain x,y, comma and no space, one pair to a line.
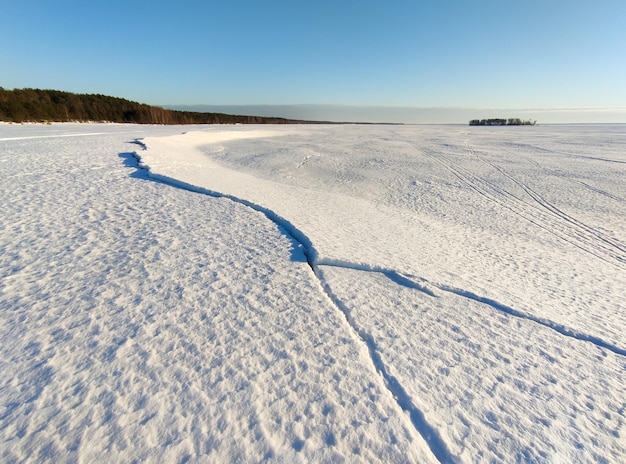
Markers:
312,293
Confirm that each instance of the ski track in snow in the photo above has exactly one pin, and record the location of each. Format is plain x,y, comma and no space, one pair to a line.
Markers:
529,205
579,182
404,401
541,213
57,136
558,213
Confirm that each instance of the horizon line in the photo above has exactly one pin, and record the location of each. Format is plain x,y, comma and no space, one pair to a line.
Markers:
416,114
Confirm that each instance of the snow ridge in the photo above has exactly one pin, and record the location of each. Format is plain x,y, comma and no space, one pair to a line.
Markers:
428,433
285,226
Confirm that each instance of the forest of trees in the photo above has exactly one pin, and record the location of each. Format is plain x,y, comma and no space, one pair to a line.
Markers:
35,105
501,122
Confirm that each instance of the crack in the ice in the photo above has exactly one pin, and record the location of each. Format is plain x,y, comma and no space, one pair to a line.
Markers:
560,328
425,285
391,274
403,400
286,227
427,431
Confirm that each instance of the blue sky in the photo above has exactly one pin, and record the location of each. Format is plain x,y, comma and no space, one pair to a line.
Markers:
477,54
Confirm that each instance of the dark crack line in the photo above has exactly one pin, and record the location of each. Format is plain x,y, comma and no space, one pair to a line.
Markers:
288,229
407,281
427,431
559,328
391,274
436,444
403,400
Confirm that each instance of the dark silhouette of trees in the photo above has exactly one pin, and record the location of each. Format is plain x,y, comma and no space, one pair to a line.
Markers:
35,105
502,122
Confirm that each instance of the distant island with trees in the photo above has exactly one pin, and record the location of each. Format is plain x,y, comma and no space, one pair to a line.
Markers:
35,105
502,122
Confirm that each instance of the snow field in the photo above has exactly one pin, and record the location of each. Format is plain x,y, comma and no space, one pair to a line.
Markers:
312,293
480,241
521,261
144,322
497,387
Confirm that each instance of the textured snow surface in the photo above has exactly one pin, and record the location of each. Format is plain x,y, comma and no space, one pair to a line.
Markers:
312,293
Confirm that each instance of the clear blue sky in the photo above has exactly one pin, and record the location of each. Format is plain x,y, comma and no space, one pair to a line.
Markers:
474,53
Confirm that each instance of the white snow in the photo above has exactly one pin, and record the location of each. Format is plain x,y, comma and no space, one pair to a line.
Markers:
312,293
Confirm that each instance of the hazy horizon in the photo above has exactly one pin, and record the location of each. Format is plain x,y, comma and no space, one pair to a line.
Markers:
415,115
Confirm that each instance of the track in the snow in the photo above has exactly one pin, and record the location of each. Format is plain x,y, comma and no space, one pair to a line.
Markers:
536,210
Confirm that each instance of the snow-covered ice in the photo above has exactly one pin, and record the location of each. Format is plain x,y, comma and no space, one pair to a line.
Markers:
312,293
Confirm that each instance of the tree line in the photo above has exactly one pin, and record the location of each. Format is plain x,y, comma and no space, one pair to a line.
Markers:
36,105
502,122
